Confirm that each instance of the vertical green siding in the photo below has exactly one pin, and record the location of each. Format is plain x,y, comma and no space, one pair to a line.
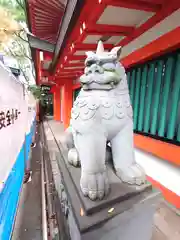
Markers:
178,133
128,77
142,98
175,100
165,95
137,96
155,94
149,98
132,86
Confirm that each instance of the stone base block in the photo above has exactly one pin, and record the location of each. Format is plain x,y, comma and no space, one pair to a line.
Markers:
125,214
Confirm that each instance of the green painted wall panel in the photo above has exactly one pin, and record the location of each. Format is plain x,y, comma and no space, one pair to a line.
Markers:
165,95
178,133
137,96
155,95
128,77
175,100
155,107
148,101
132,86
142,97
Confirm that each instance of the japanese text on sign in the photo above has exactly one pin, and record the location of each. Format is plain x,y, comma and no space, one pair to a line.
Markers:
8,117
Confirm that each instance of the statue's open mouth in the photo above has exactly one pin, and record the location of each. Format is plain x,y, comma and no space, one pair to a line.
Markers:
99,81
101,78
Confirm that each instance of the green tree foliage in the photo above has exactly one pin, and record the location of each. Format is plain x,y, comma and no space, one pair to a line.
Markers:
14,40
16,7
39,93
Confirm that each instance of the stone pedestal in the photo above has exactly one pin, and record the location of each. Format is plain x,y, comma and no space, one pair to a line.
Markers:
134,223
125,214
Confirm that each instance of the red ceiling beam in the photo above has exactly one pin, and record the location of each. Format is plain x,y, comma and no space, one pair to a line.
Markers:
49,4
32,18
40,11
46,32
46,29
75,34
165,12
69,71
104,29
55,2
34,27
135,4
90,47
73,69
47,8
47,35
154,1
45,26
162,45
80,64
76,58
67,76
45,17
64,79
45,20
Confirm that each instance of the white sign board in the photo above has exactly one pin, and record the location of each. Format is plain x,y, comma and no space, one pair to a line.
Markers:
15,120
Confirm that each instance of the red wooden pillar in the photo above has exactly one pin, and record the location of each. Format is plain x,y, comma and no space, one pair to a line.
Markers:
57,104
67,101
38,77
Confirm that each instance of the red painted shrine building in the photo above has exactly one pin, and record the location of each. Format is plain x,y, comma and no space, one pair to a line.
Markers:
148,31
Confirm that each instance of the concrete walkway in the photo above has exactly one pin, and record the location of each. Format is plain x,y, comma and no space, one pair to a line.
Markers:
28,220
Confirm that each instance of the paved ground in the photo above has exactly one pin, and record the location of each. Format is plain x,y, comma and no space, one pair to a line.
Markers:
28,221
167,223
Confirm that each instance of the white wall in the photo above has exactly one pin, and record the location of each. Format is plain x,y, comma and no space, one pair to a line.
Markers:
160,170
12,136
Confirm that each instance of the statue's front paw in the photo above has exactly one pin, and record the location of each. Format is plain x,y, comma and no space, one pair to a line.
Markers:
73,157
95,186
134,175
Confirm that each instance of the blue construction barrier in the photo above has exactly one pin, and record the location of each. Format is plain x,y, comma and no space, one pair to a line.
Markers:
9,196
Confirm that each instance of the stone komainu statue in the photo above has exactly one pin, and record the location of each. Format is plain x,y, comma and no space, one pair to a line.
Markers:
102,114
